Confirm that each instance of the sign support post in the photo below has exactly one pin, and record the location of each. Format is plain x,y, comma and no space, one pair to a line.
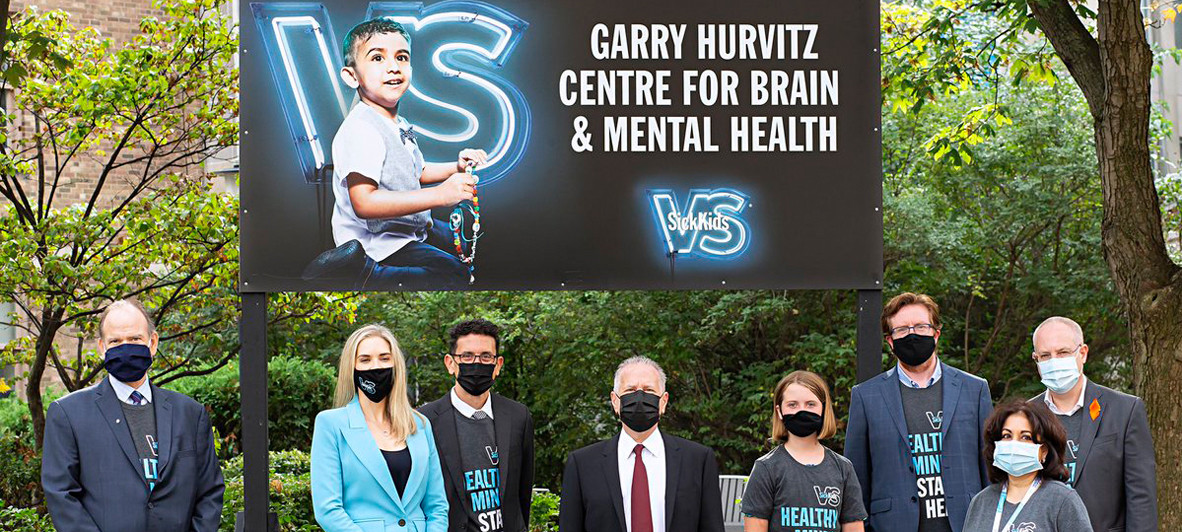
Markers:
252,367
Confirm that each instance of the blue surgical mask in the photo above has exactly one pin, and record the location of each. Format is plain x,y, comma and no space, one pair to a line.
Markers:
128,362
1017,458
1059,374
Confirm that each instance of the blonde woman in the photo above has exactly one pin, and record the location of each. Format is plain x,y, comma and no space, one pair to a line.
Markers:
374,463
802,485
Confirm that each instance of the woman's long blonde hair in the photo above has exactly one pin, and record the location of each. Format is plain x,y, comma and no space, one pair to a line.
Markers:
402,416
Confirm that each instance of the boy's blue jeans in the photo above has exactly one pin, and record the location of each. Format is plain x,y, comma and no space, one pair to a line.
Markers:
419,265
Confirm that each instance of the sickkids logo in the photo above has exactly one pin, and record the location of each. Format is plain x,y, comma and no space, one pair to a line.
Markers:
829,495
705,223
936,419
458,97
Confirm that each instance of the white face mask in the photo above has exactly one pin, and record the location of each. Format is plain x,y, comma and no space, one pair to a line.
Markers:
1017,458
1059,374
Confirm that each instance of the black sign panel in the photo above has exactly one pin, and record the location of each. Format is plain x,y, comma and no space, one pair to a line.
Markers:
620,145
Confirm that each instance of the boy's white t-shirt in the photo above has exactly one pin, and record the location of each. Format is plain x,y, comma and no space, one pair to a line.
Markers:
358,147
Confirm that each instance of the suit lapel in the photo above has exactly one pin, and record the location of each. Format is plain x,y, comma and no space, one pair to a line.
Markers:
611,472
163,428
1089,427
672,476
108,404
951,397
359,439
448,444
419,452
504,440
894,402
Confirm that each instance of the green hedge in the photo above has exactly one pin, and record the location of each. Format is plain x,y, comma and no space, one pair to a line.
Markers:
291,491
297,390
23,520
20,461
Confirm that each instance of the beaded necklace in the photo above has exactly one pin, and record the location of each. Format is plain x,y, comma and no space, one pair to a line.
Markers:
457,231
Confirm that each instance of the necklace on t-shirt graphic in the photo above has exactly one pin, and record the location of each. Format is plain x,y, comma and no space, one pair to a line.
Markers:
493,456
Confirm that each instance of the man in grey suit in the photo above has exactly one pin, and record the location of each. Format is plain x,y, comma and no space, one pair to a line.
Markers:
1109,447
485,441
124,455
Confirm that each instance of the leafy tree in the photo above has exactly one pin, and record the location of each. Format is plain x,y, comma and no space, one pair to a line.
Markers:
145,116
1106,53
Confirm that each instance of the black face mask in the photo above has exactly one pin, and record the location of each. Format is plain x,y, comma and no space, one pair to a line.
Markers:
128,362
640,410
476,378
803,423
914,349
376,383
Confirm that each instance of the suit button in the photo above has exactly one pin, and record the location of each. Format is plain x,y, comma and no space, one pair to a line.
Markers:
914,499
402,522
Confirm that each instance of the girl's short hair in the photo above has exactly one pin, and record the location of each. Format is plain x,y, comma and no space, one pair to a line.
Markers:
814,383
1045,428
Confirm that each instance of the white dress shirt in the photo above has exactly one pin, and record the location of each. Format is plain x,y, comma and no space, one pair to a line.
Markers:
466,410
1046,397
654,464
123,391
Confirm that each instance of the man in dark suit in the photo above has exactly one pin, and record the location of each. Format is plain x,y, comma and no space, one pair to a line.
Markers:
1109,446
914,432
124,455
641,480
485,441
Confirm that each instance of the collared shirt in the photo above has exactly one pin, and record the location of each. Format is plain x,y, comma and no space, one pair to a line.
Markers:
466,410
654,464
903,378
123,391
1046,397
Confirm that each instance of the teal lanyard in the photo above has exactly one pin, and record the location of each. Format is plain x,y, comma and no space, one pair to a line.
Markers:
1002,502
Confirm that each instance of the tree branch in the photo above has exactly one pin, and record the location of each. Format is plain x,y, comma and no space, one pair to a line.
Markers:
1076,47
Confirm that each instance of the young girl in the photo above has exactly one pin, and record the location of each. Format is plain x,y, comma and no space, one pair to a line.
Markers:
801,485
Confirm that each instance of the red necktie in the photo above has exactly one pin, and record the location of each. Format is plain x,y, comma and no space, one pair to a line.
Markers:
642,508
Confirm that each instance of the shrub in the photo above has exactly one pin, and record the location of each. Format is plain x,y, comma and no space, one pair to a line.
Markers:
20,461
291,491
297,390
543,516
23,520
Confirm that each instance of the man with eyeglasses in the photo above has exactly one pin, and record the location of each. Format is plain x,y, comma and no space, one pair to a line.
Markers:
914,431
485,441
1109,446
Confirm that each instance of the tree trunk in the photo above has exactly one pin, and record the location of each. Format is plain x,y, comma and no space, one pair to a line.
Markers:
50,324
1113,70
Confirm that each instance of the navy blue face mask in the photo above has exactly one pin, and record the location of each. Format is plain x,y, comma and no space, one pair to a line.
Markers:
128,362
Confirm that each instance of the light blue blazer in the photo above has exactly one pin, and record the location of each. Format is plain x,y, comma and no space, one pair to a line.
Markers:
351,486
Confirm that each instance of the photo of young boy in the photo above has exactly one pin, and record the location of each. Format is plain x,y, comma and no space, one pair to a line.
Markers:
381,220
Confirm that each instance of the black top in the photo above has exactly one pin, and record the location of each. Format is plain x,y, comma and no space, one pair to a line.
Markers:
399,464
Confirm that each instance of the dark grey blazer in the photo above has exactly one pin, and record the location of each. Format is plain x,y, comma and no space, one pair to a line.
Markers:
92,475
1115,470
514,430
593,501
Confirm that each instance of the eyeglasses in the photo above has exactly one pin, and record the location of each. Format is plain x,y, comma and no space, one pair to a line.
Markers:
468,358
1062,353
923,329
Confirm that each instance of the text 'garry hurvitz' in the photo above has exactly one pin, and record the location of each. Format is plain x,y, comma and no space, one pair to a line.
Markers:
679,91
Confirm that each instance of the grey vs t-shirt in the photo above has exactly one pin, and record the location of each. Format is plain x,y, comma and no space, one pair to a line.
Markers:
1053,508
794,497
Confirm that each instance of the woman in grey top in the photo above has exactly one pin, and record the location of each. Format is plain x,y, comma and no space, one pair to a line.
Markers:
1026,444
